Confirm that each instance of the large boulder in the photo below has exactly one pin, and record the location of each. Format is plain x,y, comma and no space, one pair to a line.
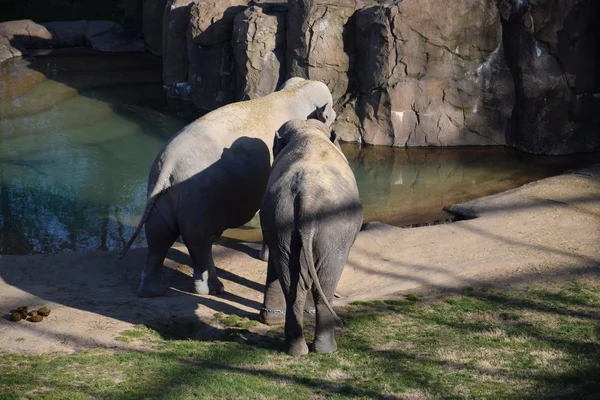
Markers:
175,52
110,36
553,49
7,50
320,42
259,50
211,73
430,74
67,33
211,21
26,34
18,36
152,19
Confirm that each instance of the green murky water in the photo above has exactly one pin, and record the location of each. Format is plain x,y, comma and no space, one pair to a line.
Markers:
78,133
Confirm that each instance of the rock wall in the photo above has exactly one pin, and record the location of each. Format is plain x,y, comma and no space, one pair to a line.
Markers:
398,75
525,73
259,50
174,48
152,24
428,76
211,73
553,50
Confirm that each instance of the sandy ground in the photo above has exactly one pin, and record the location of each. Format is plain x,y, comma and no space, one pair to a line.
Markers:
548,229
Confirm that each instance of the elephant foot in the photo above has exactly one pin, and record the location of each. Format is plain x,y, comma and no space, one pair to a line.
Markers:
263,254
151,289
212,286
297,348
324,345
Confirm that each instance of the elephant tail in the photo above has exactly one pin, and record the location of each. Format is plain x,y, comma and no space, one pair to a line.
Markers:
156,190
306,258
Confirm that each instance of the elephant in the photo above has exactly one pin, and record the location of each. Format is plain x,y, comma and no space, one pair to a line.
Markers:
211,176
310,215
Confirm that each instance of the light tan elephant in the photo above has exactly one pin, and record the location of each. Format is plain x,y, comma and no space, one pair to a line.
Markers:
212,175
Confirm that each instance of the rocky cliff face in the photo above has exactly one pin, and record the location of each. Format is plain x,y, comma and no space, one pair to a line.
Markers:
553,51
438,70
525,73
411,72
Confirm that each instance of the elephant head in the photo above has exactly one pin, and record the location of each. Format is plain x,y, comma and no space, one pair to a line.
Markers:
284,135
320,94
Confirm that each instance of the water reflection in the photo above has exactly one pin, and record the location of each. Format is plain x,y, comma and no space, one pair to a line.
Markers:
78,136
406,187
411,186
76,149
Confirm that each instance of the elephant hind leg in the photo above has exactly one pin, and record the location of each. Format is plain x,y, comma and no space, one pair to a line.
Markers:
294,320
160,237
325,326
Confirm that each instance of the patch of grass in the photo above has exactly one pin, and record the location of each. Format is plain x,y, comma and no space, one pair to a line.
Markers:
139,332
411,297
537,342
233,321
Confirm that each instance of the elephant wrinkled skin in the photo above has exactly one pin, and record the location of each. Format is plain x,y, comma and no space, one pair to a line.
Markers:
212,175
310,216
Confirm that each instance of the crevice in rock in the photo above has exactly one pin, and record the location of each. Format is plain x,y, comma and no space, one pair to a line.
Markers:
439,46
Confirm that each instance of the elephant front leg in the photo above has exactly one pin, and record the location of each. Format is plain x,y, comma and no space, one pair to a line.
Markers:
205,273
273,308
150,283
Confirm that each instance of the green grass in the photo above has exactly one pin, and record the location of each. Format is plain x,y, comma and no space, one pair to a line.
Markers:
233,321
531,343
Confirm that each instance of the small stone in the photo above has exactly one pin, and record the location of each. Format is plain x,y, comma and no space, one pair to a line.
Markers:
22,309
44,311
32,313
16,316
36,318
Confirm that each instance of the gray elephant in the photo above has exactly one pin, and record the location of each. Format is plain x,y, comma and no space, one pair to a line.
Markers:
212,175
310,216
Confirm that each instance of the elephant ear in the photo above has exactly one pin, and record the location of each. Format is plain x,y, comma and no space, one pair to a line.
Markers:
335,141
319,114
333,137
278,144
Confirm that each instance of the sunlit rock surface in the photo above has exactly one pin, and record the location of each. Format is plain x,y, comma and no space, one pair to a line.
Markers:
259,50
211,73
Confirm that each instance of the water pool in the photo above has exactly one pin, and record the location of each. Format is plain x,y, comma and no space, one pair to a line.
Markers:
78,133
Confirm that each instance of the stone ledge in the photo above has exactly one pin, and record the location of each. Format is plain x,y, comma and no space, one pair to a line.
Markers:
16,37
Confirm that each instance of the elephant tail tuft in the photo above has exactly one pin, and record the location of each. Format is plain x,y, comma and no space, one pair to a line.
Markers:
306,258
